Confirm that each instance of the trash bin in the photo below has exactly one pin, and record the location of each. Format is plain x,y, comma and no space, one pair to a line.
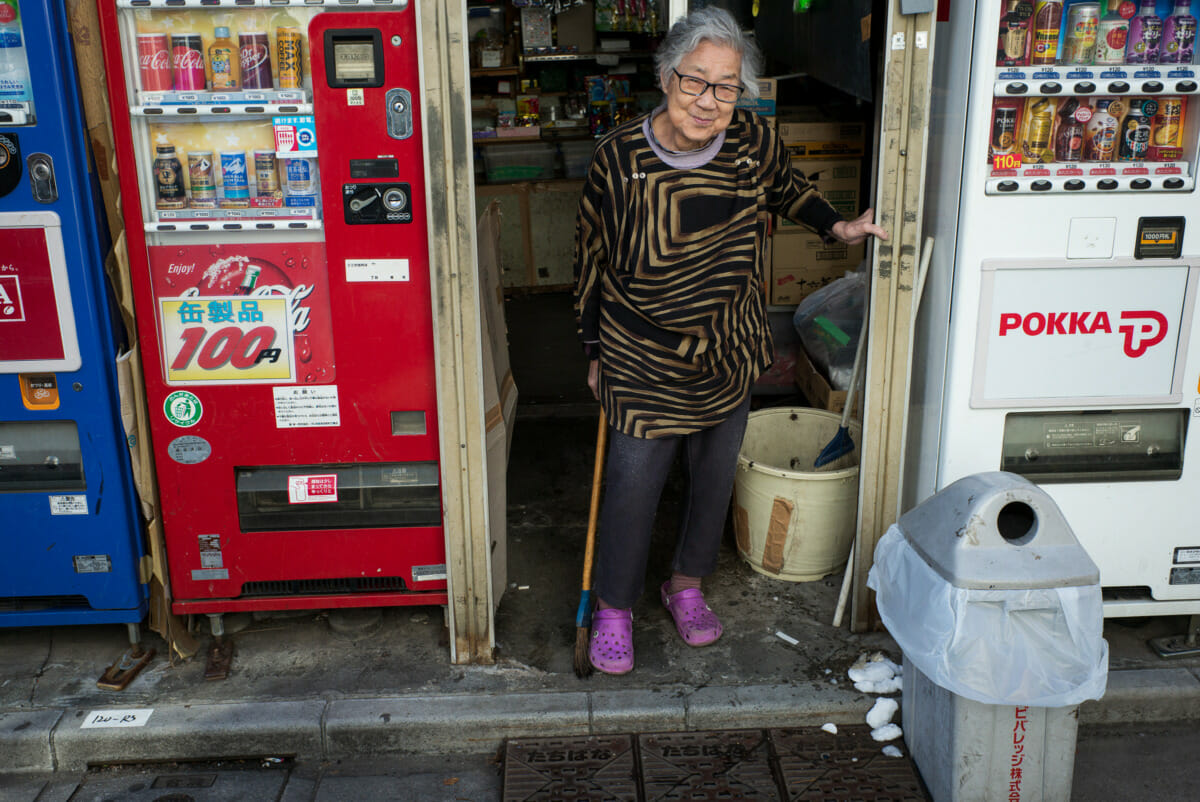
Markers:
998,611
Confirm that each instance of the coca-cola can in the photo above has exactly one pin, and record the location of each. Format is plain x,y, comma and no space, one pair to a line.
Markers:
256,60
187,61
154,61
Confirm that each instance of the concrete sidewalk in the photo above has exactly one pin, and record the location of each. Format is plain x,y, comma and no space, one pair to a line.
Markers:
342,684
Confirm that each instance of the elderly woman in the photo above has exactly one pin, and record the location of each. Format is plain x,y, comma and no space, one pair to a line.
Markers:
670,307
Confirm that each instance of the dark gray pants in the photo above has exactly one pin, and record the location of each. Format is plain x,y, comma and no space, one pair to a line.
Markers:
635,472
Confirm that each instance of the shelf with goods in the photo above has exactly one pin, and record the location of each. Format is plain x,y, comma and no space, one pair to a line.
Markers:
1093,98
221,116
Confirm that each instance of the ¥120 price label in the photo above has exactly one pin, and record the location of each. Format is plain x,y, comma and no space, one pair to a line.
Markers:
1006,161
227,340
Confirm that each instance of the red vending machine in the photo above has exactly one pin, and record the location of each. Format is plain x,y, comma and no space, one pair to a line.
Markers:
273,154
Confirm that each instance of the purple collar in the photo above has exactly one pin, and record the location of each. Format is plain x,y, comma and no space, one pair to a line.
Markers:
685,160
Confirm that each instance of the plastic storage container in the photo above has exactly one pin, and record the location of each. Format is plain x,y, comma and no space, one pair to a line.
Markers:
999,613
577,155
518,162
792,521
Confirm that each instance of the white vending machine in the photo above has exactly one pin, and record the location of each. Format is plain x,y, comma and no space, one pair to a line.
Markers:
1056,335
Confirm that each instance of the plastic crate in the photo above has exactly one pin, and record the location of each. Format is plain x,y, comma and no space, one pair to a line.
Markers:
577,156
523,162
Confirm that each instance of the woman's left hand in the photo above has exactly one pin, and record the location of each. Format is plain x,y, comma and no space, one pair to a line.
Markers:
855,231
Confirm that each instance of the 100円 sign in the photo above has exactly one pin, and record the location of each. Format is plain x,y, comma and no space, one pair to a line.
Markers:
227,339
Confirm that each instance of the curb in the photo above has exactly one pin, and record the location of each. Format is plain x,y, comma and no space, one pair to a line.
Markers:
48,740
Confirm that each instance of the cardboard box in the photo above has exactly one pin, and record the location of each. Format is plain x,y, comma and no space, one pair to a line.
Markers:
816,387
801,263
764,104
809,134
838,180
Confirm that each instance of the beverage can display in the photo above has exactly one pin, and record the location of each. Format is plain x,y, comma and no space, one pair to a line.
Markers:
154,61
1112,32
1179,35
256,60
1037,127
168,179
1012,48
1166,132
1145,32
266,175
301,177
202,180
225,61
235,179
1133,137
1079,42
1047,23
1100,132
187,62
289,49
1005,120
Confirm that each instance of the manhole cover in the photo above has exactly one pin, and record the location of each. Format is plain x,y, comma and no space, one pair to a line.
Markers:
586,768
817,765
724,764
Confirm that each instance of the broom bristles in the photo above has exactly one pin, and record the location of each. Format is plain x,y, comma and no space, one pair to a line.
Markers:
583,666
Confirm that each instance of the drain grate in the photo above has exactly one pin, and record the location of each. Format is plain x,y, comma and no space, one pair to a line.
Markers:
585,768
792,765
816,765
723,764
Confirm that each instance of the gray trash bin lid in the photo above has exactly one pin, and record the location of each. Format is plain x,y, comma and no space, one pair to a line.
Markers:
997,530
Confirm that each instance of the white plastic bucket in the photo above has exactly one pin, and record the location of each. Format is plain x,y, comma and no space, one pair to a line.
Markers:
793,521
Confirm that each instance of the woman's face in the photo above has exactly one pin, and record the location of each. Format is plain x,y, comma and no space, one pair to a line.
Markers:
696,119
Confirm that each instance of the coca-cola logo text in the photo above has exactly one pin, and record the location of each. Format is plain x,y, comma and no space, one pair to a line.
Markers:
158,60
1142,328
188,59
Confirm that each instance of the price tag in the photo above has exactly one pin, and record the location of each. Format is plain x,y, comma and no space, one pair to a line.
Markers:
1006,161
227,339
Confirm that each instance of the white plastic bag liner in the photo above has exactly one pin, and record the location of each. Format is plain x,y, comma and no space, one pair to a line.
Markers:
1040,647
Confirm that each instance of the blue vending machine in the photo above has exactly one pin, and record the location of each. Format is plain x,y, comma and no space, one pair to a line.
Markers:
70,529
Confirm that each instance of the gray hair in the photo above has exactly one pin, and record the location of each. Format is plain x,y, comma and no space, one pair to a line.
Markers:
715,25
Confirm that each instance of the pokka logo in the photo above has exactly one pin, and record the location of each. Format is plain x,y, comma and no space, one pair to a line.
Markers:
10,299
1142,328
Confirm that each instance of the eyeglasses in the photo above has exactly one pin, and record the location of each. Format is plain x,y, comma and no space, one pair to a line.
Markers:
691,85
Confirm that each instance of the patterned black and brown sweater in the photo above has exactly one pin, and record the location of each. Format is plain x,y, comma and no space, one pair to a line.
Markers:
670,273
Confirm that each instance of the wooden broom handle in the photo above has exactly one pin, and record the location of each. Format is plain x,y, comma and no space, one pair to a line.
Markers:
594,510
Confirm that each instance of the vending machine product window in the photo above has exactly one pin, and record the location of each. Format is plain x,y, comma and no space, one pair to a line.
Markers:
1093,97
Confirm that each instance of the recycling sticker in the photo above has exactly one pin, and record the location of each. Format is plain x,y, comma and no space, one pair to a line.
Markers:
183,408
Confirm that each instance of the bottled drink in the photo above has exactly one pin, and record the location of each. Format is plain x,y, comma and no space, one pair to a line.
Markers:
1047,23
1079,43
154,61
168,179
256,61
1145,32
187,62
1179,35
225,61
1134,138
1013,45
1100,132
1040,124
1068,142
289,50
14,67
235,179
201,178
1112,33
